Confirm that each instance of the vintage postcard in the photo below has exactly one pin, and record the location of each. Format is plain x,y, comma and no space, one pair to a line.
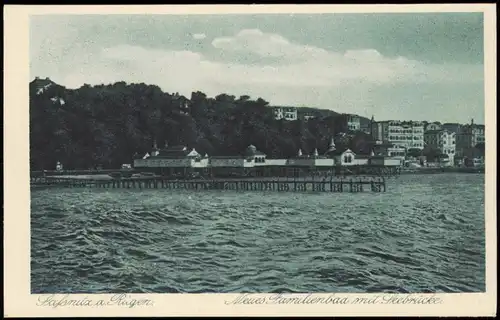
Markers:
250,160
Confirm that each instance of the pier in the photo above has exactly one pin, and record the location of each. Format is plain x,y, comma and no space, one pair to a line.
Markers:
345,184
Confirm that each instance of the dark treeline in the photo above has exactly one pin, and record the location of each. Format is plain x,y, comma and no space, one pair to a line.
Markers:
107,125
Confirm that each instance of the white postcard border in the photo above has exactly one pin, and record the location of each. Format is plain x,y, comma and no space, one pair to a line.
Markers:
17,298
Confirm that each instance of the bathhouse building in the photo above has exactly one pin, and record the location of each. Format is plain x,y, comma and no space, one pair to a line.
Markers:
180,160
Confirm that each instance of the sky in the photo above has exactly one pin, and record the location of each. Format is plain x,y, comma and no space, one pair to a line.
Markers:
394,66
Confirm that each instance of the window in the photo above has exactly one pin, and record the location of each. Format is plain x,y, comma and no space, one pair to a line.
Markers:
347,159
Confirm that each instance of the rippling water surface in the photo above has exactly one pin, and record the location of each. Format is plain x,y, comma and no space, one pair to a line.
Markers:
425,234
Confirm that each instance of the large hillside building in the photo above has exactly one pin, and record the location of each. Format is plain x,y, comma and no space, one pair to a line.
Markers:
406,134
444,141
286,113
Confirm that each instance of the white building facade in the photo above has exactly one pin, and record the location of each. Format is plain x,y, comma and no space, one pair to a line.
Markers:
443,140
469,137
406,134
433,126
396,151
353,122
287,113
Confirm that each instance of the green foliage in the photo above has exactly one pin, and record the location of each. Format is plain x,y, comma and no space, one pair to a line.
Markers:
106,125
480,148
432,154
414,152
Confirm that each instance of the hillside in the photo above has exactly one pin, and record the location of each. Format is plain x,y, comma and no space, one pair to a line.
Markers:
108,124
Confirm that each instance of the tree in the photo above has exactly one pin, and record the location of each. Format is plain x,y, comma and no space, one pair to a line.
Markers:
432,154
361,143
107,124
480,148
244,98
414,152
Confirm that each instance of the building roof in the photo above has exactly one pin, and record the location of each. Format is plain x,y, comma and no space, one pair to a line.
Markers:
283,107
350,115
433,131
252,151
175,148
440,131
173,152
338,151
383,145
227,157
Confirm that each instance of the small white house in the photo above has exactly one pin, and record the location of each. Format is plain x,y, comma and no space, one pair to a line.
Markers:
343,157
347,158
254,155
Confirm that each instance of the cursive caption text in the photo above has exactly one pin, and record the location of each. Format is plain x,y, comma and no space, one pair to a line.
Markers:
309,299
121,300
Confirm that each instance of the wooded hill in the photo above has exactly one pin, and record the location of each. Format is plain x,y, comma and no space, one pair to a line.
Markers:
108,124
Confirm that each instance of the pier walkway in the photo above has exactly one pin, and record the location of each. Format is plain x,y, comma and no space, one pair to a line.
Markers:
327,184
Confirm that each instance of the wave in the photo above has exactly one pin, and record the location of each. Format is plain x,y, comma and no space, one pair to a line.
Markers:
415,238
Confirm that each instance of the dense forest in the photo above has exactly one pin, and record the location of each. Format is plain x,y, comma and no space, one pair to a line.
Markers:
106,125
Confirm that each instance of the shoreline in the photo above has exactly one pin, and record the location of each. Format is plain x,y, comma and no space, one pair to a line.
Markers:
442,170
103,176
